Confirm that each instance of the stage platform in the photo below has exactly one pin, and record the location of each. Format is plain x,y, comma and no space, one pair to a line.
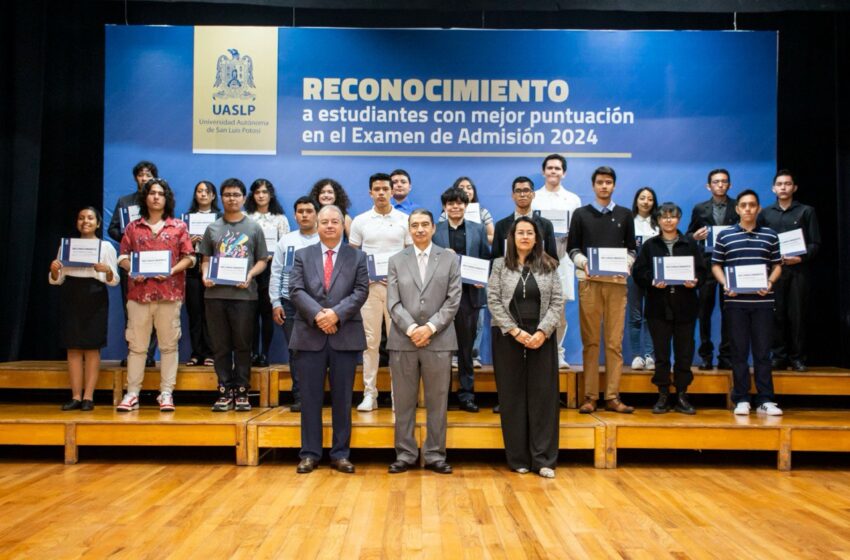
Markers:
250,433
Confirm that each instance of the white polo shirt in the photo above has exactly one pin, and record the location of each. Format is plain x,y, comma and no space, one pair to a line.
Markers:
561,199
378,233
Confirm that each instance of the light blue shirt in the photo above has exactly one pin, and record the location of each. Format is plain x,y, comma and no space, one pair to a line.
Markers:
603,209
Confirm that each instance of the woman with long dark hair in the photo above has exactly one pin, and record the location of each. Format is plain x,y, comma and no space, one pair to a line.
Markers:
84,311
644,208
263,207
526,301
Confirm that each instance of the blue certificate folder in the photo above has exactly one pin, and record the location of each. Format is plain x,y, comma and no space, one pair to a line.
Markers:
135,258
658,272
373,273
593,264
733,283
65,254
127,216
289,258
212,273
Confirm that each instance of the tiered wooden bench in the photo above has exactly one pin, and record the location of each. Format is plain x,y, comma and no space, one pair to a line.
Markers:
714,382
43,374
203,378
187,426
485,382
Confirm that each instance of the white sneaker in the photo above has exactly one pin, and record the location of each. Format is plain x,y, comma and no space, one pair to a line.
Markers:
562,364
476,363
522,470
649,362
769,408
546,472
128,403
368,404
742,408
454,361
166,402
638,363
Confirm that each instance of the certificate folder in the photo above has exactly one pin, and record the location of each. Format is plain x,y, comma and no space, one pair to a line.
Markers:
560,220
289,258
129,214
150,263
674,271
79,252
713,234
608,261
376,272
236,270
747,279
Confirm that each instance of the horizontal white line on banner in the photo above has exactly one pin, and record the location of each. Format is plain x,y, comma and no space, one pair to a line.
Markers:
371,153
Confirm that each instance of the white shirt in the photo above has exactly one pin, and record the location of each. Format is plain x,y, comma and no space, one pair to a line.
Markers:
108,257
427,252
380,233
268,219
643,228
279,281
561,199
325,250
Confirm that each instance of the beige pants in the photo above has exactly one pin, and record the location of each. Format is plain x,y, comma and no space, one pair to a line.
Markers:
602,307
141,319
373,312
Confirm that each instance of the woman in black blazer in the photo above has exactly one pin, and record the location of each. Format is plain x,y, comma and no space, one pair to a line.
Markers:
671,311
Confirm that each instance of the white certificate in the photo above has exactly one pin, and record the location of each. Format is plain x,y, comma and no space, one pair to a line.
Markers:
151,263
713,233
608,261
271,237
679,269
473,212
750,277
560,219
198,222
474,271
378,264
792,243
80,252
229,270
129,214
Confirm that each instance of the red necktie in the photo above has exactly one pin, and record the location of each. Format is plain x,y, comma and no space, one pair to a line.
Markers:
329,268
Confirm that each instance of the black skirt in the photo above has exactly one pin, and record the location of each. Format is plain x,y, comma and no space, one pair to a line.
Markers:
84,313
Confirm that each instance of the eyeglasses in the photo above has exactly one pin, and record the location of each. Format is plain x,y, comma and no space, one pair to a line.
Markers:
668,218
523,192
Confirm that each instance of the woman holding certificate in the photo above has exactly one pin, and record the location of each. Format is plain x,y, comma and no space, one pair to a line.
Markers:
644,207
526,302
263,207
203,211
83,269
670,267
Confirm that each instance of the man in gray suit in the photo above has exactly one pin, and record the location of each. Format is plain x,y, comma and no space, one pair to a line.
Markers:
328,285
423,295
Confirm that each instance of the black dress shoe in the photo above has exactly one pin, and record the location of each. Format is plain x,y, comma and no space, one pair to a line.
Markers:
260,360
468,406
496,409
342,465
87,405
307,465
150,362
73,404
123,362
779,364
399,467
798,365
295,407
724,364
705,365
662,406
683,406
439,467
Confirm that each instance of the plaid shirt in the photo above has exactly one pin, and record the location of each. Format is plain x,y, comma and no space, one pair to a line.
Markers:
174,237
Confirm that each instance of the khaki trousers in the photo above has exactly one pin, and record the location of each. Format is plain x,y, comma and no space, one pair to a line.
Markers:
141,318
602,310
373,312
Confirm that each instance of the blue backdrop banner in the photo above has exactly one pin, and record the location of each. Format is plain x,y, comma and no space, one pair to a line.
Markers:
662,108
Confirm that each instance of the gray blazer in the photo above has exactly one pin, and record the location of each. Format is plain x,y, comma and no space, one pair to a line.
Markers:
410,302
500,292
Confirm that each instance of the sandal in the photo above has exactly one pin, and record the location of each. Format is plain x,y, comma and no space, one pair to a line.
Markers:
209,362
193,361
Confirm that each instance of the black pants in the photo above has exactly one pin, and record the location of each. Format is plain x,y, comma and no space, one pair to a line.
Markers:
231,324
792,303
466,322
124,278
339,366
195,309
707,294
264,330
527,384
288,325
681,334
751,328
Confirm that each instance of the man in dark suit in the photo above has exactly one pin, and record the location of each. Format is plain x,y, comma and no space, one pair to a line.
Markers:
470,239
522,191
328,285
719,210
423,295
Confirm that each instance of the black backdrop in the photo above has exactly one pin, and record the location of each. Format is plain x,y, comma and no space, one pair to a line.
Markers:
51,120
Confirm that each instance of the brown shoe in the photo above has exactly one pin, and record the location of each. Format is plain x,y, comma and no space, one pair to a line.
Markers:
343,466
616,405
588,406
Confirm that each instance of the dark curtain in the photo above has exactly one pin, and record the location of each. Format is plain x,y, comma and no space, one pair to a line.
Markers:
51,129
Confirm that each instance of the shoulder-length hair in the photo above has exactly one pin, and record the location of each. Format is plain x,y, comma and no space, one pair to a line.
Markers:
652,211
210,187
168,211
274,205
537,260
341,199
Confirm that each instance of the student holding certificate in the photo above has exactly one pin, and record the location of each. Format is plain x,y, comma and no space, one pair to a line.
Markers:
84,309
526,301
234,250
789,217
671,309
156,289
746,262
204,202
645,208
263,207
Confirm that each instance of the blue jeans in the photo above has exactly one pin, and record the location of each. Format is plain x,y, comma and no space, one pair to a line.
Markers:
640,341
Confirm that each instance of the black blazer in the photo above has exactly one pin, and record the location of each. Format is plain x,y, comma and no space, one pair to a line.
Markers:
703,216
503,226
476,246
671,302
